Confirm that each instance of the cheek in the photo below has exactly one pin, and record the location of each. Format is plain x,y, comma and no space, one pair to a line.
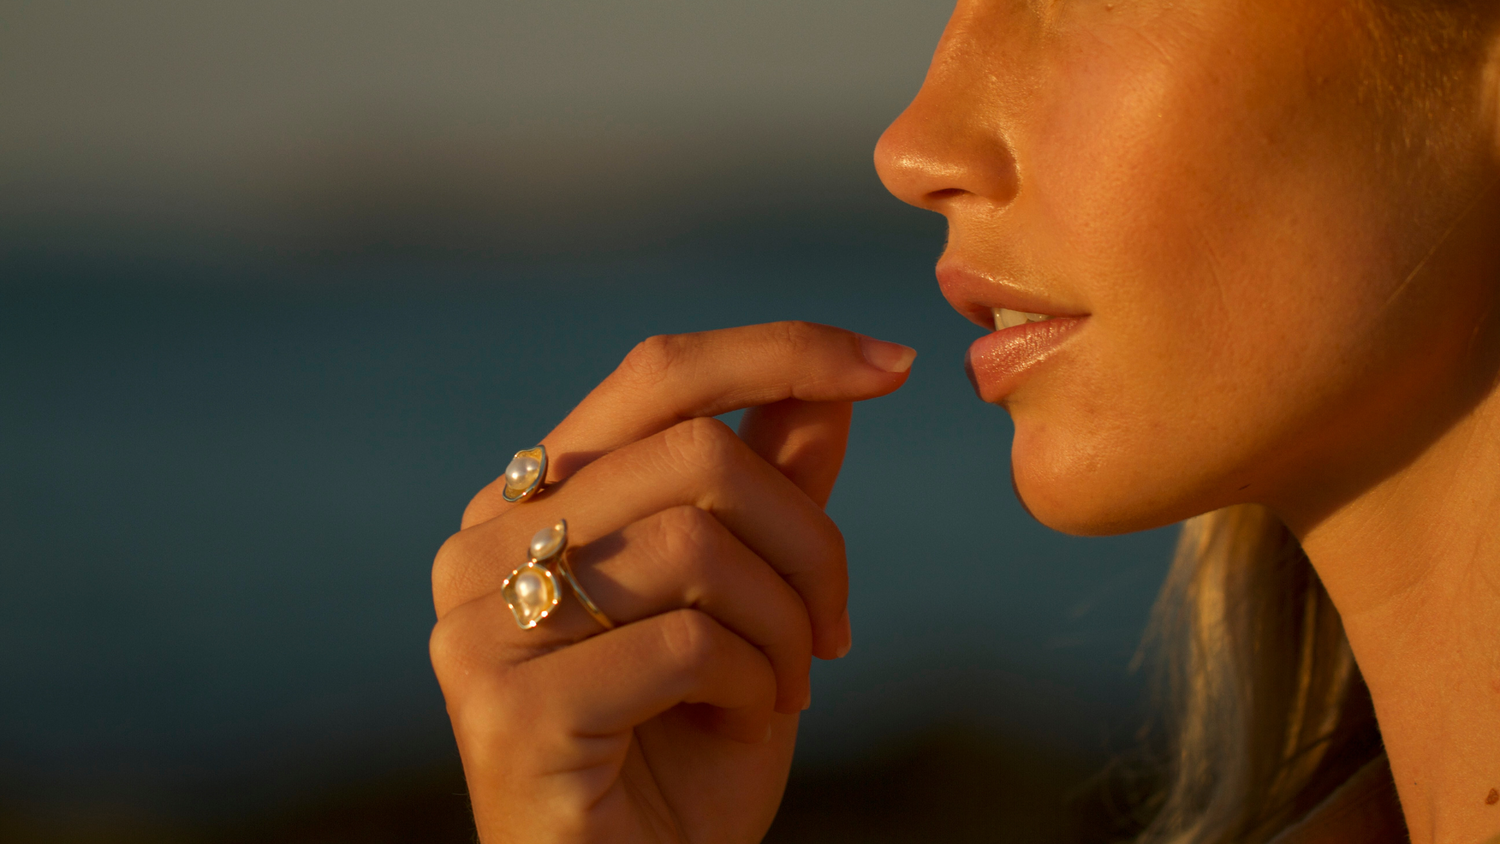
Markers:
1233,285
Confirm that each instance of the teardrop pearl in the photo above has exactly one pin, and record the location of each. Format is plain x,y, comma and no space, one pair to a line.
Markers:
547,541
522,472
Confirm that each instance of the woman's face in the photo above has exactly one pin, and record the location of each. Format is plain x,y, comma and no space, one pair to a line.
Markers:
1268,232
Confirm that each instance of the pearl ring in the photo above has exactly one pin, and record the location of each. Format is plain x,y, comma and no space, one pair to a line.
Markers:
531,591
524,475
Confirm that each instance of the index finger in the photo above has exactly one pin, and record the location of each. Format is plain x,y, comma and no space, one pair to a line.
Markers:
674,377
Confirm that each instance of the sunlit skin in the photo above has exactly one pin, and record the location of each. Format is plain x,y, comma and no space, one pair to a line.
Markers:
1204,182
1286,304
711,552
1265,293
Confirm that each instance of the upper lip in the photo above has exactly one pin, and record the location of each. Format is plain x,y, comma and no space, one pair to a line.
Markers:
975,296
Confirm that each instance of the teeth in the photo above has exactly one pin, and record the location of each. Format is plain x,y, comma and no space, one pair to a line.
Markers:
1007,318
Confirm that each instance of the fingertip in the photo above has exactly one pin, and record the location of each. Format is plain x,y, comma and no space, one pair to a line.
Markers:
826,644
793,698
832,640
743,727
886,356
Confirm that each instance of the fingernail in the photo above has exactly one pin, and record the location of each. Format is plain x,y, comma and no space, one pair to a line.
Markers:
807,701
891,357
767,737
848,635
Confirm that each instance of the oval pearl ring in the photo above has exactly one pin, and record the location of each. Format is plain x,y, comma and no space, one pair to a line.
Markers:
525,474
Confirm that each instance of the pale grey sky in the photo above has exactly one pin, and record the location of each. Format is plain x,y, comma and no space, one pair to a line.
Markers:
258,117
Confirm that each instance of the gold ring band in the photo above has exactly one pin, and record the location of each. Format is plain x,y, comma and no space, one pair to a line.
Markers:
583,598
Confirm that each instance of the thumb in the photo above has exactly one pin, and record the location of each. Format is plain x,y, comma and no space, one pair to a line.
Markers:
804,439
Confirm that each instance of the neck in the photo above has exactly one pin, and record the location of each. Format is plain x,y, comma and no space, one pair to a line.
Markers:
1413,564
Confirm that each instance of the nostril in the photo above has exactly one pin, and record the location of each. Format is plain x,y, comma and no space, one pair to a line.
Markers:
935,160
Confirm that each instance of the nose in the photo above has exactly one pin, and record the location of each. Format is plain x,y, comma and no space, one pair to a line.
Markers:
948,148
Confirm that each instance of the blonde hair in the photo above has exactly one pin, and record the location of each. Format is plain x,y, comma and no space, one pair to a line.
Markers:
1267,712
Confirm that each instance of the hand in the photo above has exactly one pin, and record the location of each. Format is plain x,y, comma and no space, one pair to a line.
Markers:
712,554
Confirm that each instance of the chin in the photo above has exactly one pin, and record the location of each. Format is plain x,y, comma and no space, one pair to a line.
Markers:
1078,492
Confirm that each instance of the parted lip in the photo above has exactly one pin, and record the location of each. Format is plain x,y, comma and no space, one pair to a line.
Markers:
974,295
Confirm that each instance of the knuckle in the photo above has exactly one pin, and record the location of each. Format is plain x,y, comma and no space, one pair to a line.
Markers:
828,556
485,725
684,536
689,639
797,336
827,540
837,563
445,566
795,333
703,444
459,570
448,651
483,698
652,358
833,539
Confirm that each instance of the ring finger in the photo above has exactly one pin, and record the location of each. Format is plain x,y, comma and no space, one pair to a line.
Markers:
679,558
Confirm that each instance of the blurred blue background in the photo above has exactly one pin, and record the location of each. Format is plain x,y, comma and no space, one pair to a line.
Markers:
263,268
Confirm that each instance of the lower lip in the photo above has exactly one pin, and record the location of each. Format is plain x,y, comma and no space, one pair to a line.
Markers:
997,362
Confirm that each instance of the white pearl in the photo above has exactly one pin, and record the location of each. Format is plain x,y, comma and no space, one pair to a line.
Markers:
530,591
522,471
546,542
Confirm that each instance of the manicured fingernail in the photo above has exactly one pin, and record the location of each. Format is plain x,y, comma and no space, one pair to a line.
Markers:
807,701
848,635
891,357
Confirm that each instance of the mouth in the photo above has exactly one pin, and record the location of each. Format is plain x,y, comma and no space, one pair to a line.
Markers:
1028,328
998,363
1000,302
1007,318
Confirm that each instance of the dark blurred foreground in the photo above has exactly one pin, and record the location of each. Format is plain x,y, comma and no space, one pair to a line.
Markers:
949,784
